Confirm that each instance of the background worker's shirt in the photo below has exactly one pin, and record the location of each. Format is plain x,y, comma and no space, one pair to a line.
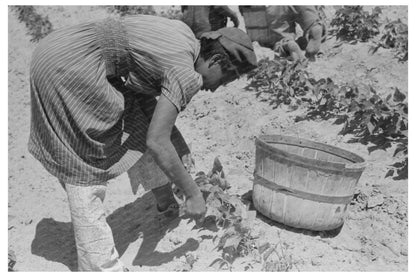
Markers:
284,18
203,19
83,130
281,22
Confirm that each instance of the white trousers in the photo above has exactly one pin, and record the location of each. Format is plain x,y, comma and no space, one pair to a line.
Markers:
93,236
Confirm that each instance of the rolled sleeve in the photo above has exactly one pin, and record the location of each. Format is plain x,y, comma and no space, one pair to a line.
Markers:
179,85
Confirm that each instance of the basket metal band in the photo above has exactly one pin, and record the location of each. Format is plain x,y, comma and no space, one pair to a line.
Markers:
302,194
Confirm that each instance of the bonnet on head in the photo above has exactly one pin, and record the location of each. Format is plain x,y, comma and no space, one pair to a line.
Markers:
238,45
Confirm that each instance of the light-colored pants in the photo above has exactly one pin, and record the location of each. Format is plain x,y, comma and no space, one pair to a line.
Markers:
93,236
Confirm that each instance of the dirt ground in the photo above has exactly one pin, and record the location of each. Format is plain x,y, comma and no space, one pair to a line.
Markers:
225,124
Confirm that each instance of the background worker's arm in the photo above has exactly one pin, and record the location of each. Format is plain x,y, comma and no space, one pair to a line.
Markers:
160,145
225,10
310,22
293,49
197,18
315,38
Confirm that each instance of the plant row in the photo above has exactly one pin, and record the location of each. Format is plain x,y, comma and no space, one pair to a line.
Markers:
232,219
353,24
372,120
38,26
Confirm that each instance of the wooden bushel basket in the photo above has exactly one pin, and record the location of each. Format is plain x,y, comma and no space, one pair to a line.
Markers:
304,184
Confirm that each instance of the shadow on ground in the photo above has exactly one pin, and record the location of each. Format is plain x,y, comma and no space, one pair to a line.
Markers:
55,240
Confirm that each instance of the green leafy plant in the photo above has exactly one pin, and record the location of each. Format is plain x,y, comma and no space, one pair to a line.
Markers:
37,25
232,216
371,120
174,12
280,81
229,213
132,10
394,36
276,258
353,24
11,261
383,123
379,123
328,101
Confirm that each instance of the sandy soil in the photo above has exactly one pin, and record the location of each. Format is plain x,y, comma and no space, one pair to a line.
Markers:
224,124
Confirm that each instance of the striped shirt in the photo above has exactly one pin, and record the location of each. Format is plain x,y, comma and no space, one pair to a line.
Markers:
83,130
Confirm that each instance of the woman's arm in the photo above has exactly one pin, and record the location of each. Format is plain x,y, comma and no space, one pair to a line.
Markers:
148,104
160,145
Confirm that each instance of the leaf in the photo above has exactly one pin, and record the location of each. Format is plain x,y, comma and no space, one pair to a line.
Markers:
372,89
267,254
402,173
233,241
382,146
217,166
219,261
373,49
213,207
397,165
201,180
400,148
370,127
264,247
389,173
341,119
398,96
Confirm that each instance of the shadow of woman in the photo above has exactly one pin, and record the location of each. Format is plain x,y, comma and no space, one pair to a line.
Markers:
55,240
139,219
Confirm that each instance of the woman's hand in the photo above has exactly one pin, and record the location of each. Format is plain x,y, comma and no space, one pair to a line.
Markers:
195,207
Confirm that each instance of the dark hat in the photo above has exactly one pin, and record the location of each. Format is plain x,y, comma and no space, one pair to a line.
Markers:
238,45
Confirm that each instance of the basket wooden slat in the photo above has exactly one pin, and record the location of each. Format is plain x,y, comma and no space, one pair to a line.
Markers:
304,184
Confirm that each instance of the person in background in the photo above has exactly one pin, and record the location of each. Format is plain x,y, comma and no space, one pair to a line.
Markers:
208,18
105,96
281,26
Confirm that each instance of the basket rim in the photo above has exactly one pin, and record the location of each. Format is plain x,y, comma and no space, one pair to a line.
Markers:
266,142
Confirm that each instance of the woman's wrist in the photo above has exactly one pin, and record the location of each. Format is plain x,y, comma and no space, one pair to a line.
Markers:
193,192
